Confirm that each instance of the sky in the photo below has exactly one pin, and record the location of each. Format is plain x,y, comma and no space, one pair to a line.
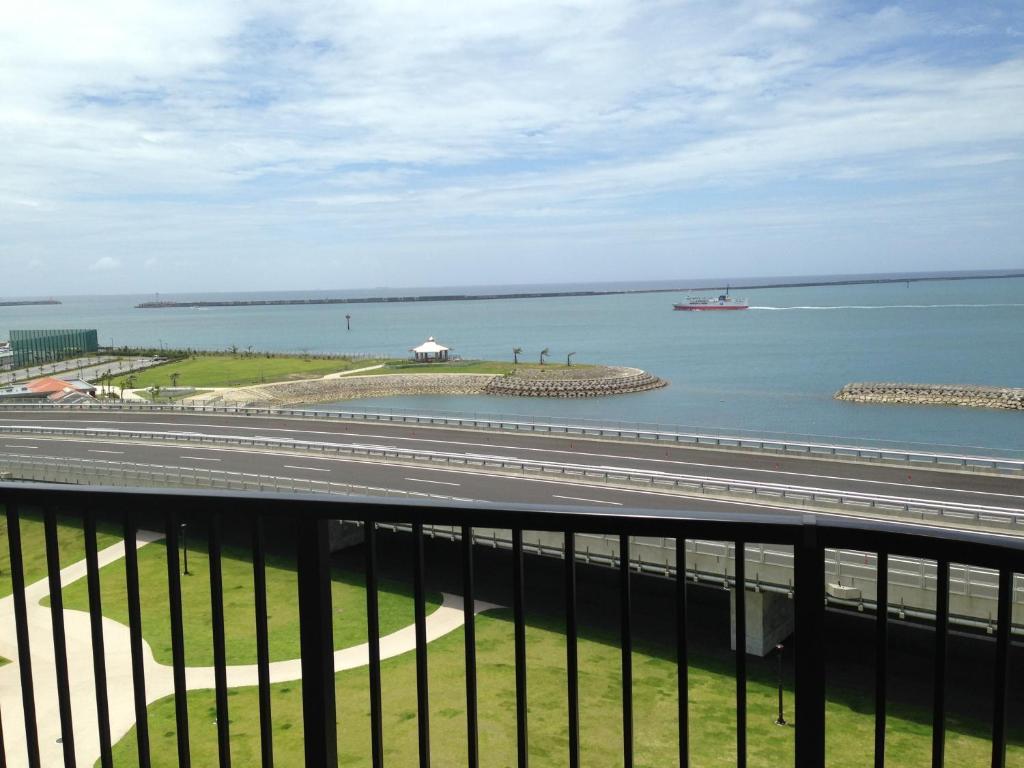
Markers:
192,145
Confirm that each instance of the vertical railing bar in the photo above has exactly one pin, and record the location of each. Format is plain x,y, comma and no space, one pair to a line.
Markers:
626,641
469,613
131,575
60,654
3,749
259,581
316,641
809,594
881,653
740,599
1001,688
177,639
28,700
220,674
422,690
571,656
682,656
99,662
519,616
373,642
941,637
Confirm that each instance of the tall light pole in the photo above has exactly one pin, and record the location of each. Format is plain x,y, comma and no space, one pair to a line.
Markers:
780,720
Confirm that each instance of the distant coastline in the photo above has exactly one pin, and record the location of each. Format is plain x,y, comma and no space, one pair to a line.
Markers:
28,302
557,294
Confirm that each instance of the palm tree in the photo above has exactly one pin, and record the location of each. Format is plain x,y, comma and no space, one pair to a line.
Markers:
516,352
174,379
544,353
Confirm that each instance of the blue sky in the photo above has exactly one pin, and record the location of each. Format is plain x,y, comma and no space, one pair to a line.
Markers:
184,146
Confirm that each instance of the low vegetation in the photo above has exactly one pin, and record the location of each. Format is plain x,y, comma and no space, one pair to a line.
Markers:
229,370
711,686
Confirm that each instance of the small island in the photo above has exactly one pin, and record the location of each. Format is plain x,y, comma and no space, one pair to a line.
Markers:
272,380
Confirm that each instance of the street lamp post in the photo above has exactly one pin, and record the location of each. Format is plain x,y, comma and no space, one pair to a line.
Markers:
184,546
780,720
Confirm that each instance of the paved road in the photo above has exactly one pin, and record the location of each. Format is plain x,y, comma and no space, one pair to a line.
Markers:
925,484
88,368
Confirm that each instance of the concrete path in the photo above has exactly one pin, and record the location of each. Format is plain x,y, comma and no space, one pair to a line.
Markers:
340,374
159,678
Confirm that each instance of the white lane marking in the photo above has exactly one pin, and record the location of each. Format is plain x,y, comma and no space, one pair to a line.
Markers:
311,469
96,450
590,501
433,482
198,458
387,463
32,447
581,439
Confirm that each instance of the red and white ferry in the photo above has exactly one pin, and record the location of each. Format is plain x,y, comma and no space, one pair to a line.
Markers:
708,303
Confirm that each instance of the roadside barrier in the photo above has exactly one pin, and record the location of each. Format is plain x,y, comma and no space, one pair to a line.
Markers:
741,491
1011,463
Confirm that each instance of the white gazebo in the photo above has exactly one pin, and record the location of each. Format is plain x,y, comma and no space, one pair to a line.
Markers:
430,352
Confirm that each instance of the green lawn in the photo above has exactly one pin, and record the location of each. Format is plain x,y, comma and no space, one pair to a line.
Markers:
348,594
712,692
474,366
849,710
33,546
235,370
164,398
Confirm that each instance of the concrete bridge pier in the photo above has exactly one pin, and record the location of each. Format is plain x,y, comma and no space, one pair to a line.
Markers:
770,620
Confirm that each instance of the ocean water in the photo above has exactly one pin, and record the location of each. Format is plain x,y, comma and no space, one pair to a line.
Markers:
771,369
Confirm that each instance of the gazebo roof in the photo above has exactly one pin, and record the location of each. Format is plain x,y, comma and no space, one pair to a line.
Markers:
429,347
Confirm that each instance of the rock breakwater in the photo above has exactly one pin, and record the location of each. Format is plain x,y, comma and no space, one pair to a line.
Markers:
596,381
960,395
589,381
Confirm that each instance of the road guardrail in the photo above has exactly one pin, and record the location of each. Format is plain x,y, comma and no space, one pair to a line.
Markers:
639,433
743,491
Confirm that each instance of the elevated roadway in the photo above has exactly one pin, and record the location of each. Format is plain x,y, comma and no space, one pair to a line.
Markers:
930,484
180,441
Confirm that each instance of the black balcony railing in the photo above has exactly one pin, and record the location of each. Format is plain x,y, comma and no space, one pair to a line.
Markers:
808,535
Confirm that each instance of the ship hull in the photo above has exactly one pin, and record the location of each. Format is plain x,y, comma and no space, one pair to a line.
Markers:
709,308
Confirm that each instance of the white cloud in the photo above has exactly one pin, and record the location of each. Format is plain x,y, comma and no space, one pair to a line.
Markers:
104,264
199,130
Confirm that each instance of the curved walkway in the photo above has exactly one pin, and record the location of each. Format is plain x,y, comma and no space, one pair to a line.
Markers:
159,678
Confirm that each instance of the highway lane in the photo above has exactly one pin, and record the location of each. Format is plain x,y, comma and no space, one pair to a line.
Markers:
917,483
436,481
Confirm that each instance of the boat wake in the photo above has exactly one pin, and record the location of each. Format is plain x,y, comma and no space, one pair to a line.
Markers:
894,306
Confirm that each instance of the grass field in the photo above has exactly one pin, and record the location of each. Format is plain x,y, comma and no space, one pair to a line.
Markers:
236,371
348,594
33,546
475,366
712,689
712,732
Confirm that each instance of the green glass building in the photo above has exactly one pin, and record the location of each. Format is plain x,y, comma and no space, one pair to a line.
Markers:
38,347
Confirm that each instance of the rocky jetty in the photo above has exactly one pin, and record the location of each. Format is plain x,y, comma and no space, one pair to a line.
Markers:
592,381
961,395
582,381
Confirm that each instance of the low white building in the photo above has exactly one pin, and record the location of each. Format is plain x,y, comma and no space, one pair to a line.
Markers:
430,352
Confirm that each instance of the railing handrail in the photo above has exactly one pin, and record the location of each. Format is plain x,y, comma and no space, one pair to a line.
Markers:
308,516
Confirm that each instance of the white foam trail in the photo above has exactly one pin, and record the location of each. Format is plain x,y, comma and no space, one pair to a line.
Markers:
895,306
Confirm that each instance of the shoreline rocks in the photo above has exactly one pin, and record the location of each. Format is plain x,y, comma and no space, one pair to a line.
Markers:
590,381
958,395
603,381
